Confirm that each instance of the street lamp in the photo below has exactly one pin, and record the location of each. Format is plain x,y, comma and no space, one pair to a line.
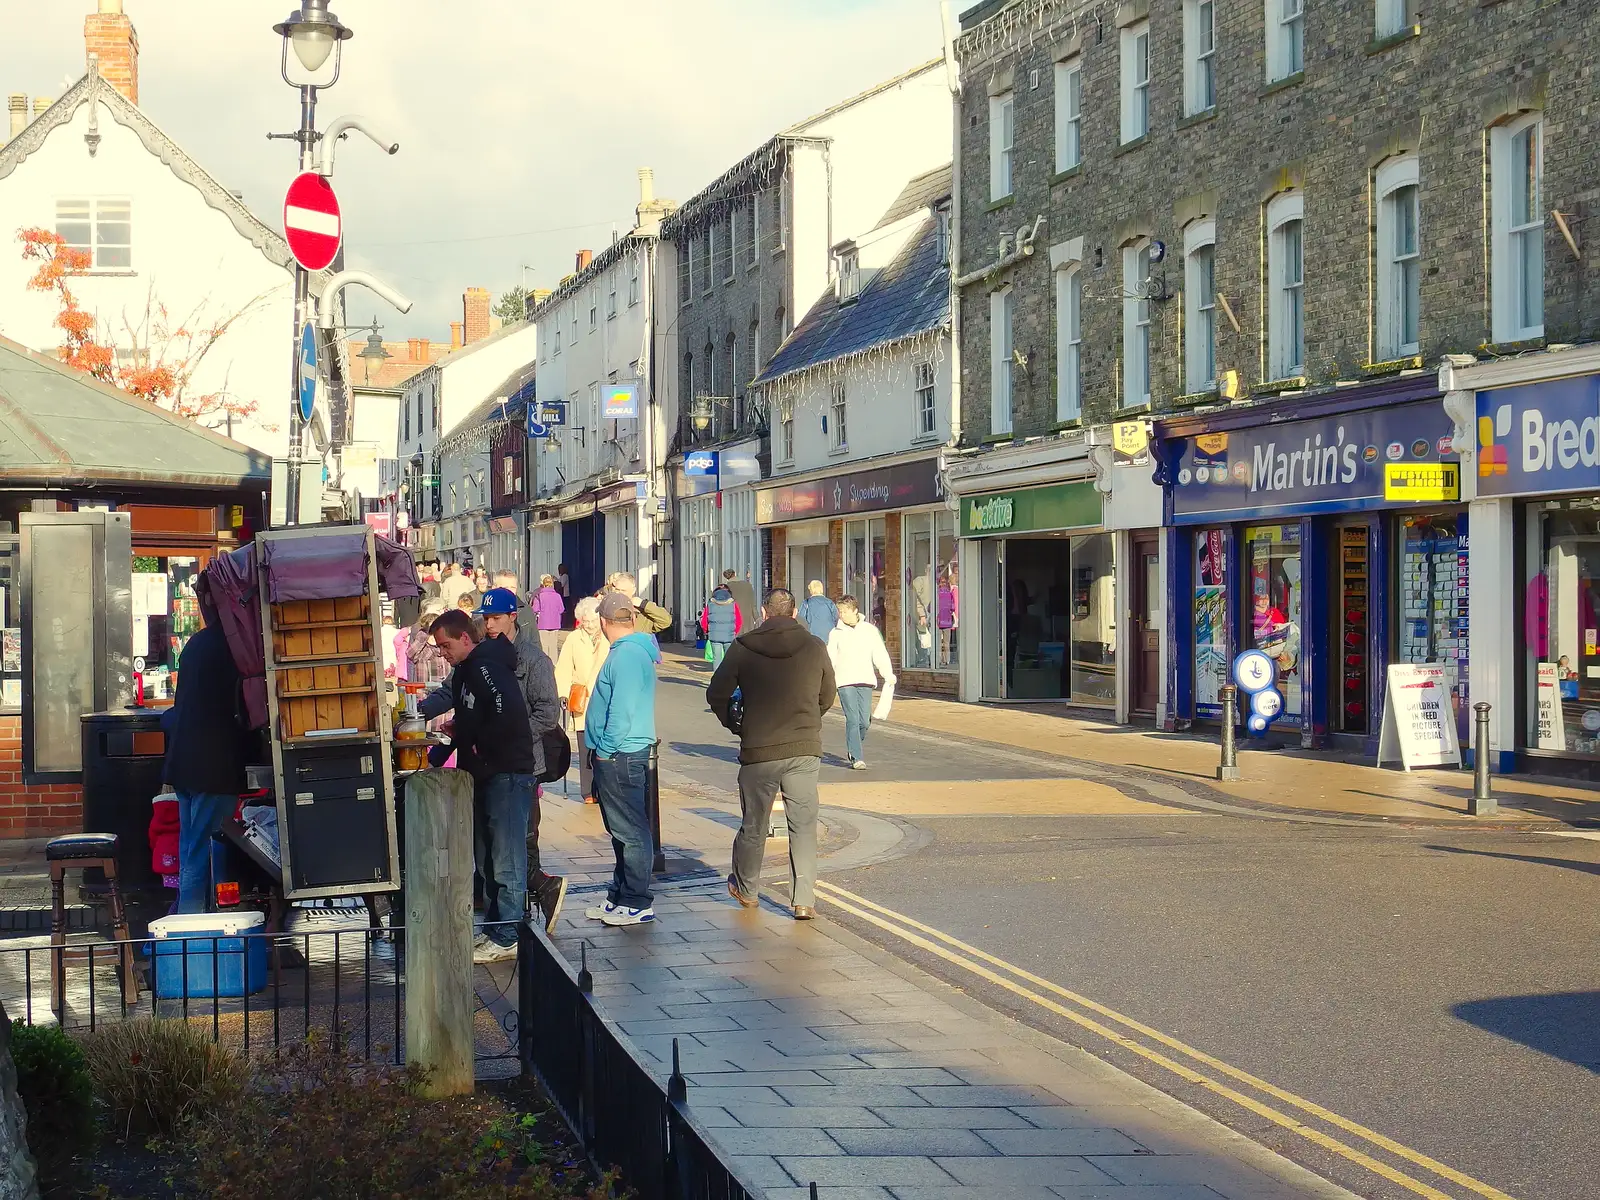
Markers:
701,414
313,33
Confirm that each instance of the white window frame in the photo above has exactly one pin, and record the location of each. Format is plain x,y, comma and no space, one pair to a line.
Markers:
95,213
849,275
1199,56
1510,317
838,417
783,211
1285,295
1002,319
925,409
1398,279
1066,264
942,217
594,309
786,429
1135,71
1069,113
1200,306
1286,38
1391,17
556,350
1002,144
611,294
633,280
1136,324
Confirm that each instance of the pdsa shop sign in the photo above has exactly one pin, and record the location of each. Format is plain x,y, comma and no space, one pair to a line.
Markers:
1544,437
1419,725
1336,463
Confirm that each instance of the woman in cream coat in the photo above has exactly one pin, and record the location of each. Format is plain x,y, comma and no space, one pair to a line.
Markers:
582,655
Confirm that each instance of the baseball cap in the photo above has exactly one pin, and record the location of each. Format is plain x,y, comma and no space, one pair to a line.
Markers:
496,602
614,606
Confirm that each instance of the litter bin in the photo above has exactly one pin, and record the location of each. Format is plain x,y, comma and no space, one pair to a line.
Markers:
122,758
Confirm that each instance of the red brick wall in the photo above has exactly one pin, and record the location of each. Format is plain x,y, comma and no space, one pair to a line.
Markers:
834,583
111,36
40,810
780,557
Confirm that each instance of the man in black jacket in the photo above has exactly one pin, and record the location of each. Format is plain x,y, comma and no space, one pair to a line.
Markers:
536,677
494,743
205,757
785,682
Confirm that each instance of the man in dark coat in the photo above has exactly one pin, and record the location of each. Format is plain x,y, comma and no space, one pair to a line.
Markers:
784,680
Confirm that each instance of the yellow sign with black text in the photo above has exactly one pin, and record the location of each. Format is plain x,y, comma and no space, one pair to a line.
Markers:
1422,482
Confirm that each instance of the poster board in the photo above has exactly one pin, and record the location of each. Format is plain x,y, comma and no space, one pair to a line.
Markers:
1419,724
1549,728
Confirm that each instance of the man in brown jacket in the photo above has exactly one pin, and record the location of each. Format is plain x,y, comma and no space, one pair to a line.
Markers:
648,616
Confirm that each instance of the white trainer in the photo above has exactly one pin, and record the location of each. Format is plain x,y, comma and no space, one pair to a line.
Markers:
629,916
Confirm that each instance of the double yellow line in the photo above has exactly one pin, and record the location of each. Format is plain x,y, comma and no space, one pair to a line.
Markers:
1184,1061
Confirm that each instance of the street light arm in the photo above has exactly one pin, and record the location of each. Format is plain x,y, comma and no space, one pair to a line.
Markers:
328,308
336,129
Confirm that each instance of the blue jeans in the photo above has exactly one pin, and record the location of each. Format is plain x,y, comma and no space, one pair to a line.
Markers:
200,814
856,700
719,651
500,842
621,782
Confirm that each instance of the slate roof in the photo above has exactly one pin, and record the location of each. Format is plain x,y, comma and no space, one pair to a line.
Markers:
59,425
517,389
924,191
909,296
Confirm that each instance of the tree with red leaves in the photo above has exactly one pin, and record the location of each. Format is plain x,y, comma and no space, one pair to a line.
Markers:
162,356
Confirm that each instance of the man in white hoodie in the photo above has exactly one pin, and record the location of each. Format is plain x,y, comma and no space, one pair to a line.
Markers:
860,659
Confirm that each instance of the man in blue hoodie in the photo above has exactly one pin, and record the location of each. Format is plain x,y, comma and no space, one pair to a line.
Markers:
620,730
817,612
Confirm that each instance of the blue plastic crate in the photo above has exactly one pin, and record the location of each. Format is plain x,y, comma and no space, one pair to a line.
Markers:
220,956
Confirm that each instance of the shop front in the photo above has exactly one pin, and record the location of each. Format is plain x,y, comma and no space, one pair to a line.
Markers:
874,533
1536,558
1335,543
716,525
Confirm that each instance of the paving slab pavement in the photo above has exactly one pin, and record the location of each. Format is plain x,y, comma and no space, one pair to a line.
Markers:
813,1056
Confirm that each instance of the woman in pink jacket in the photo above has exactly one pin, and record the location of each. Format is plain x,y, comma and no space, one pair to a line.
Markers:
549,608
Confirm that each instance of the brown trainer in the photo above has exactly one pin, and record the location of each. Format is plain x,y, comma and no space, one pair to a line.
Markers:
804,912
744,900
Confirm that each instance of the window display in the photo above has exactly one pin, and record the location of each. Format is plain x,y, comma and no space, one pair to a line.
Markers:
864,561
1354,669
1433,599
1274,623
1211,650
1563,626
933,592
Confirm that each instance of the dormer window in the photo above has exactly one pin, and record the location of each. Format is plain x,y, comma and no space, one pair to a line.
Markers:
849,274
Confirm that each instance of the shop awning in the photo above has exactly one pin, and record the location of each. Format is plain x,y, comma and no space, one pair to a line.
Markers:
60,427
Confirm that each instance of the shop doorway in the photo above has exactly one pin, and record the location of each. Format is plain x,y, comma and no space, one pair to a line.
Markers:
1351,679
805,564
1055,618
1146,614
583,549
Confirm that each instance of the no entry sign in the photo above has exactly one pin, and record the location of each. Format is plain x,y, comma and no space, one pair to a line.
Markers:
311,221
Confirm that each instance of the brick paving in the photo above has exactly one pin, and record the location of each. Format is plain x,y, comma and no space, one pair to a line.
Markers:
814,1057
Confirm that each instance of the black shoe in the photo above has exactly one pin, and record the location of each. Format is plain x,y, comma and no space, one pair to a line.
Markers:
549,894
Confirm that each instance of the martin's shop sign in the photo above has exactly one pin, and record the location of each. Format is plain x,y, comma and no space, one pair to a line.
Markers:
1372,458
1543,437
905,485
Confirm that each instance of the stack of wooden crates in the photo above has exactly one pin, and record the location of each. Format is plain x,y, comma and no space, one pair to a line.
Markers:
319,688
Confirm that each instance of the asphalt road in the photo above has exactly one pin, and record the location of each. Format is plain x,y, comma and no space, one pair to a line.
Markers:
1437,986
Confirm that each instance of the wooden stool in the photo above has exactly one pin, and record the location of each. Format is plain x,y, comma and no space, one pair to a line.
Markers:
81,851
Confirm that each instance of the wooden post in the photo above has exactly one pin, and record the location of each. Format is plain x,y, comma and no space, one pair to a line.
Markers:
438,888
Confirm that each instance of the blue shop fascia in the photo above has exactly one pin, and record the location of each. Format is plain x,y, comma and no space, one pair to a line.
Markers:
1326,530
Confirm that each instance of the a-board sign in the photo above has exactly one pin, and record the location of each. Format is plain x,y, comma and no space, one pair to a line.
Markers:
1550,731
1419,725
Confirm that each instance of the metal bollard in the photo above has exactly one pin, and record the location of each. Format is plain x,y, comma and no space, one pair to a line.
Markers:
658,864
1482,804
1228,769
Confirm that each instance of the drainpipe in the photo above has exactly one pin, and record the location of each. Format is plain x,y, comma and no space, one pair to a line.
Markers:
953,79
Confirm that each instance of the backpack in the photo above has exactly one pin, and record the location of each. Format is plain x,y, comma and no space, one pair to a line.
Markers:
557,755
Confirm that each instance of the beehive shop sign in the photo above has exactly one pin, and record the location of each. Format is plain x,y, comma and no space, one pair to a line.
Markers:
1031,510
1544,437
1335,463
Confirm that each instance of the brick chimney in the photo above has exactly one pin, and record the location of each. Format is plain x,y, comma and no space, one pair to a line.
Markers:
109,36
17,106
455,335
585,257
475,314
417,350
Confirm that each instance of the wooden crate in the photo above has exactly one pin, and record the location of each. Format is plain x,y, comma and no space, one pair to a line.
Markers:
339,696
317,629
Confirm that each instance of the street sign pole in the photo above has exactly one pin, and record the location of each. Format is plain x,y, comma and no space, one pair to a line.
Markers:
307,140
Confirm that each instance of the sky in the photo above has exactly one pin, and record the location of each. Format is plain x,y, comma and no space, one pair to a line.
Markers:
521,123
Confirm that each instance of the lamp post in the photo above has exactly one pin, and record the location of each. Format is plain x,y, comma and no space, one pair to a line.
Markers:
311,36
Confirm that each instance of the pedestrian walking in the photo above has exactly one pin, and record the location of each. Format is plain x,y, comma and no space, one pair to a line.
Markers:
206,755
582,656
453,583
860,660
620,726
721,621
817,612
743,594
648,616
536,677
549,609
494,744
783,681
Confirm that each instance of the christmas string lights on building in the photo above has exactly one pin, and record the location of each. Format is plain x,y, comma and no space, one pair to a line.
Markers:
790,390
1025,25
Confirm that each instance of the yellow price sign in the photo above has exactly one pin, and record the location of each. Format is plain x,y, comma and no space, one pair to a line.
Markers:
1130,438
1212,443
1422,482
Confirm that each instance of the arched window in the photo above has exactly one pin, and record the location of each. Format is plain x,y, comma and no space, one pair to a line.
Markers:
1399,274
1286,280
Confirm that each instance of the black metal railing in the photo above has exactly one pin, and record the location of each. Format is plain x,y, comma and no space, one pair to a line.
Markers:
346,982
624,1117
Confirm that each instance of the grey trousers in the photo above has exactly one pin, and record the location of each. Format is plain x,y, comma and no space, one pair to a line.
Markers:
759,785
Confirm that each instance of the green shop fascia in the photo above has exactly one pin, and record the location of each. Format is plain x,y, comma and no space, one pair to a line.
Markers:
1047,509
